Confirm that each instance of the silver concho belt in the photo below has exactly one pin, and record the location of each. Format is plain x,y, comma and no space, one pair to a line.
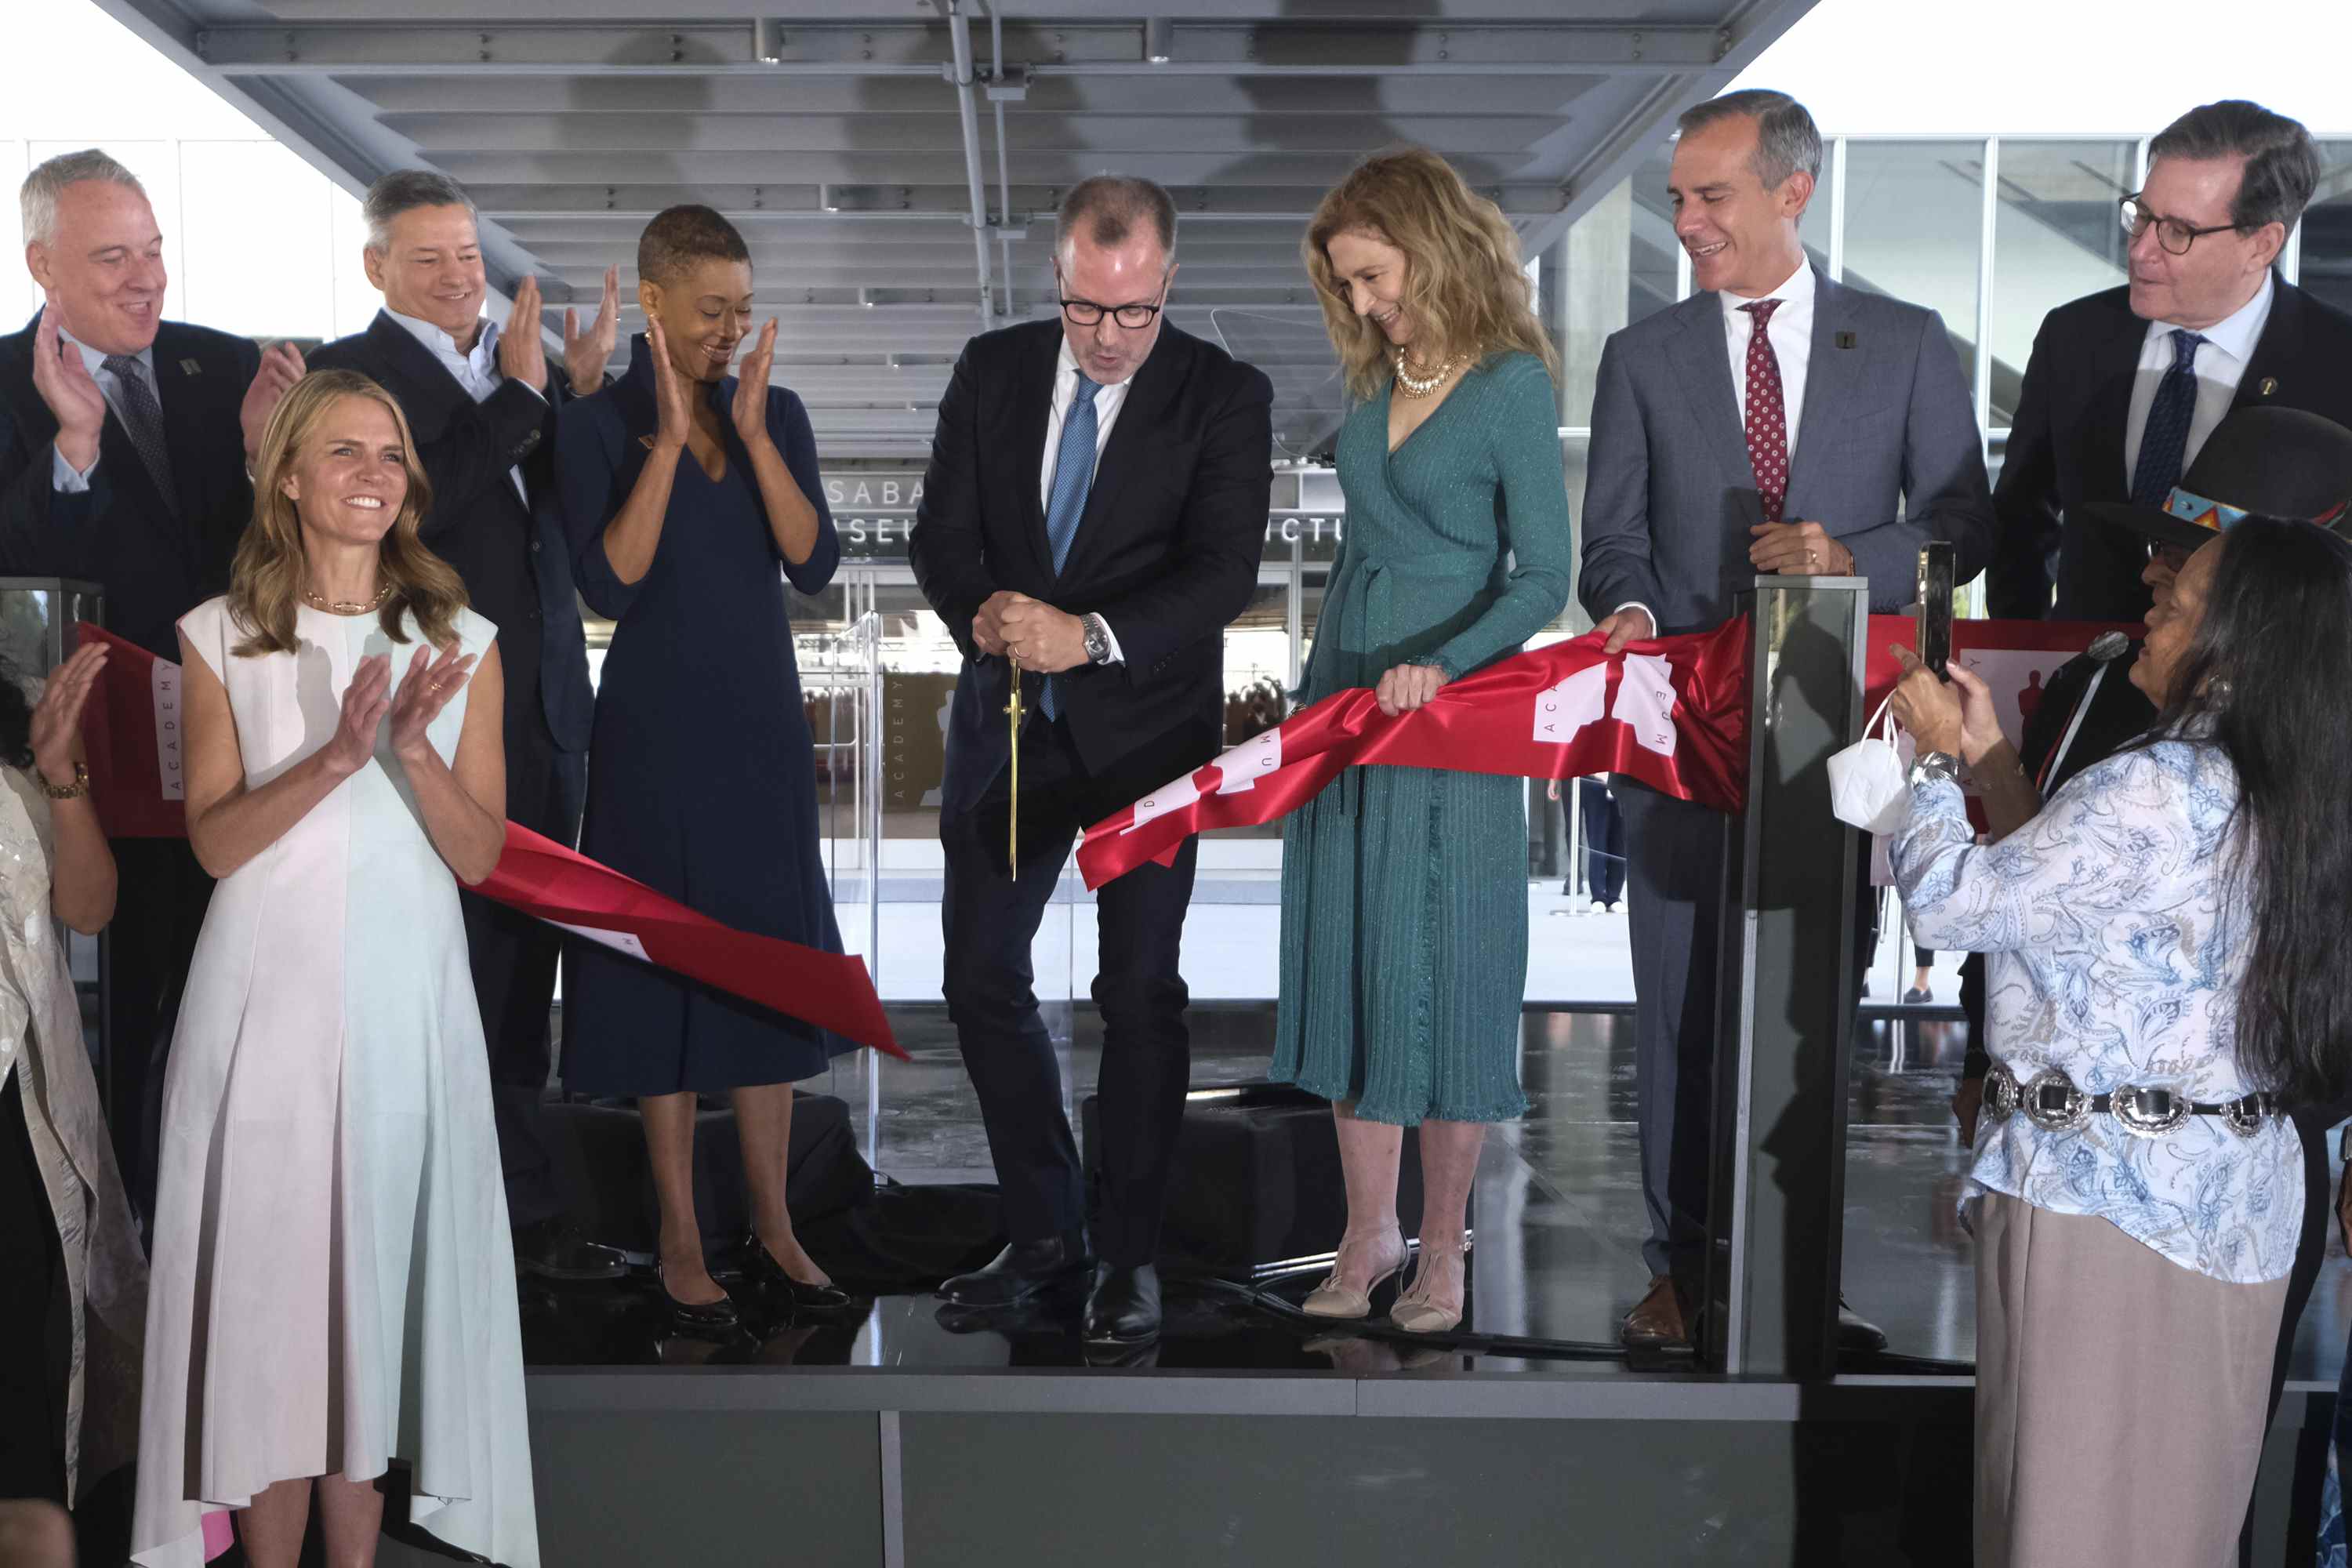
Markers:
2051,1101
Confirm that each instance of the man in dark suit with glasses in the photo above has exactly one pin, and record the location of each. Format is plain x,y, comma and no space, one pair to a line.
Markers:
1091,522
2125,385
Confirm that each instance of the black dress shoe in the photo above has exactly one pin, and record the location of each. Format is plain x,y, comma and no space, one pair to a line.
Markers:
1023,1269
554,1249
1855,1333
721,1316
1123,1306
761,1268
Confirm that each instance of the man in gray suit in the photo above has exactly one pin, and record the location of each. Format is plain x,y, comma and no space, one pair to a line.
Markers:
1775,422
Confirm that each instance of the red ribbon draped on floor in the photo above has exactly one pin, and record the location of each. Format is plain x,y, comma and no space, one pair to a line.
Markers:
1672,712
132,732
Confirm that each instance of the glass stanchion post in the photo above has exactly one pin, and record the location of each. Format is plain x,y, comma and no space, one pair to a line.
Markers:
1788,991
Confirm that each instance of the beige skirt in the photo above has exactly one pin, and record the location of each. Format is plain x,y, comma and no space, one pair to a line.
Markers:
2120,1396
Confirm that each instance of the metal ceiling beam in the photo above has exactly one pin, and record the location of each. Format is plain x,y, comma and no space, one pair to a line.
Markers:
500,200
1033,132
1640,131
881,49
792,12
1538,91
1173,166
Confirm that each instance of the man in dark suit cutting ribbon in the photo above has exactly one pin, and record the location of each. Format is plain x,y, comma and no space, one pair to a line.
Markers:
1092,519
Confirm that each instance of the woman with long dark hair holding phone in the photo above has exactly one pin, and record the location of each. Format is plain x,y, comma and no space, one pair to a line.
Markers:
2165,979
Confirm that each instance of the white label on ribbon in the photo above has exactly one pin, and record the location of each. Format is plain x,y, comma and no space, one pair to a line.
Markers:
620,941
164,684
1243,764
1563,709
1646,701
1174,796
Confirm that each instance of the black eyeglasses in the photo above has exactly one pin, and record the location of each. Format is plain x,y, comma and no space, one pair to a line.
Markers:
2176,235
1087,313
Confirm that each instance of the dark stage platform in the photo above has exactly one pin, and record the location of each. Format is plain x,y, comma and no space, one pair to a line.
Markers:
907,1433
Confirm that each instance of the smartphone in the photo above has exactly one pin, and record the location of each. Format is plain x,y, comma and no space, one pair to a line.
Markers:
1934,605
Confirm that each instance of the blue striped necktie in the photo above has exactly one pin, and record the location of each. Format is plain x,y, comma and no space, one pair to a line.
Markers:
2164,445
1073,475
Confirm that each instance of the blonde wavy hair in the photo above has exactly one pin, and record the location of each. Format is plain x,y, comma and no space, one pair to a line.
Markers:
1464,283
266,584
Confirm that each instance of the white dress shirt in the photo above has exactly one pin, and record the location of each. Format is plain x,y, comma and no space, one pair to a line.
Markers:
64,478
2221,366
477,371
1110,397
1790,333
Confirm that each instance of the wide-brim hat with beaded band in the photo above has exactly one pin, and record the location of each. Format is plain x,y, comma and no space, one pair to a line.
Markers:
2259,462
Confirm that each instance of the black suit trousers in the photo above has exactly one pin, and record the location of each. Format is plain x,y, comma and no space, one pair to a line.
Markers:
989,921
159,912
514,961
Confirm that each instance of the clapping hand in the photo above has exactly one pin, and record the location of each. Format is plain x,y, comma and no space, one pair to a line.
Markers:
63,380
585,353
670,392
424,690
365,702
521,356
56,718
281,367
751,388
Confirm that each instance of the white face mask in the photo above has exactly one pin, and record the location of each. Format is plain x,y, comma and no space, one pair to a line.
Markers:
1870,786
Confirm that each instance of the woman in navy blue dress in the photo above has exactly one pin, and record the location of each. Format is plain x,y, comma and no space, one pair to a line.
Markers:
685,491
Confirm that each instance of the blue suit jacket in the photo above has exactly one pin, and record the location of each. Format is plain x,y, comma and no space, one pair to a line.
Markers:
1888,457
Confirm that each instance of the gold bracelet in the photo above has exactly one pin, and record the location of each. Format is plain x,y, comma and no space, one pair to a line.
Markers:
73,791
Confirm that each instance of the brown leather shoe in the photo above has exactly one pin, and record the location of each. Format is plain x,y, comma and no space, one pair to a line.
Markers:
1658,1320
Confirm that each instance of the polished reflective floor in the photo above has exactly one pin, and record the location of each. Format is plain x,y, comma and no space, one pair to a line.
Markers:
1557,1214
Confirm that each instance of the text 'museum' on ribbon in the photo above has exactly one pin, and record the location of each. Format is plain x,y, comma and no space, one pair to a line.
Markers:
132,736
1671,712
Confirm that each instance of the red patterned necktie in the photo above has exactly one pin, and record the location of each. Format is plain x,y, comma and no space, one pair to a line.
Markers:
1768,414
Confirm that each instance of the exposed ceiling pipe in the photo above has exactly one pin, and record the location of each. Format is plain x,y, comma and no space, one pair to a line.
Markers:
1003,161
960,34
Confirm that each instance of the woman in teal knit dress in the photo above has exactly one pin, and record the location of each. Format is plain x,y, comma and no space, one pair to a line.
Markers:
1404,892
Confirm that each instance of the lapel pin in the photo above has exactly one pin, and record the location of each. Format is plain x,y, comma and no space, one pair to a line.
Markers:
1845,339
190,367
2269,385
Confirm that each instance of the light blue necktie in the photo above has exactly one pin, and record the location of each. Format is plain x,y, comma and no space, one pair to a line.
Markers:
1073,475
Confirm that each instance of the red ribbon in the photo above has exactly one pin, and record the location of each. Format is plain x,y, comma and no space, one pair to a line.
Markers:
1672,712
132,753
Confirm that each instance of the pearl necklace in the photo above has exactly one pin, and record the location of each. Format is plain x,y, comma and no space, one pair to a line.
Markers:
319,601
1412,386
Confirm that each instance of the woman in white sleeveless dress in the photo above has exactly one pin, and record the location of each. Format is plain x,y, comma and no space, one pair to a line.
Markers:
332,1289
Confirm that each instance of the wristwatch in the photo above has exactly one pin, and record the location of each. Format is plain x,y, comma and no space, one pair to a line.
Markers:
1935,765
1098,639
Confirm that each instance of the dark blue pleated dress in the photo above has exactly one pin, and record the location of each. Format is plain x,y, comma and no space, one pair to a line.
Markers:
701,771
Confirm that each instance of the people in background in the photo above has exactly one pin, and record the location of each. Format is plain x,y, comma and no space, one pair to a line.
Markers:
481,400
2137,1189
2125,386
1091,522
333,1295
1404,900
124,444
69,1401
691,497
1832,429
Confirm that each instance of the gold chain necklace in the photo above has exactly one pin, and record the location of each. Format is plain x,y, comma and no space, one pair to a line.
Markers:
318,601
1414,386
